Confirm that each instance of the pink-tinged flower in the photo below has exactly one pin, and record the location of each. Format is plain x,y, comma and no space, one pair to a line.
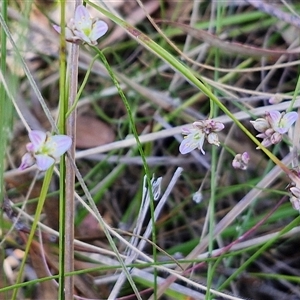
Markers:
241,161
83,28
281,123
273,126
195,136
44,149
193,139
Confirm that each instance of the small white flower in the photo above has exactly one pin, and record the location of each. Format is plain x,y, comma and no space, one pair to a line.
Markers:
195,136
193,139
43,150
83,28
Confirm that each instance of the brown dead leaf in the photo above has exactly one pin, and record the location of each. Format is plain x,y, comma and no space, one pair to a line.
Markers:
89,228
91,132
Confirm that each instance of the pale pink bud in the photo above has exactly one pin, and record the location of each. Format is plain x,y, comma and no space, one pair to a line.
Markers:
260,124
276,138
266,142
269,132
26,161
217,126
240,161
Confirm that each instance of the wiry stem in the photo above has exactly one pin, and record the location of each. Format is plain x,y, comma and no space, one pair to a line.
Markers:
70,172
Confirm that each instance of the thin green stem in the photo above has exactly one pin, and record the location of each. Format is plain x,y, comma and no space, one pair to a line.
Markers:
42,198
140,148
71,109
63,96
3,104
5,120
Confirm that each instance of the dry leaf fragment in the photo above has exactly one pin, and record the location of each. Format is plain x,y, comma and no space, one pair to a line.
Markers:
91,132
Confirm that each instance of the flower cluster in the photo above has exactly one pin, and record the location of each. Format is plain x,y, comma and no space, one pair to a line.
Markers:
195,136
240,161
83,28
273,126
44,149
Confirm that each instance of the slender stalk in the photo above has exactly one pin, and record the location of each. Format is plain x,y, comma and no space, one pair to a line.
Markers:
70,172
5,108
62,109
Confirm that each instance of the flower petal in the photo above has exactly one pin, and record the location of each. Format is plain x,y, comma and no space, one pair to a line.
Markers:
99,29
44,162
273,117
37,139
69,34
26,161
82,20
187,145
187,131
200,125
200,144
286,122
60,144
